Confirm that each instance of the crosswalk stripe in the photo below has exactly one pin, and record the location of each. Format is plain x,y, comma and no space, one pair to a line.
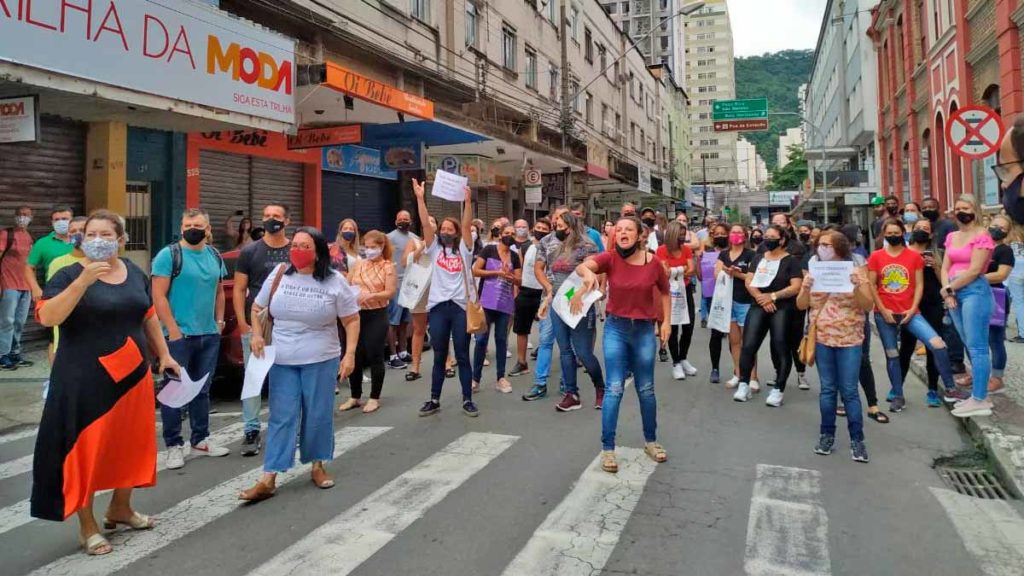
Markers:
15,467
343,543
18,435
992,532
17,514
579,535
190,515
787,531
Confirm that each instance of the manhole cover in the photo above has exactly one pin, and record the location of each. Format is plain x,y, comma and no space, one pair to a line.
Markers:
977,483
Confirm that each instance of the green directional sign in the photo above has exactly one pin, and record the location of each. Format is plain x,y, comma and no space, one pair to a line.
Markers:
739,109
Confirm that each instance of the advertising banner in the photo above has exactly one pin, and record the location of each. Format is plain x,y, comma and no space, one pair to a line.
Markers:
19,119
357,160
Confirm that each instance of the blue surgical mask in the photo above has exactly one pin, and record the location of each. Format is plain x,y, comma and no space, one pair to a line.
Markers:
61,226
75,240
911,217
99,249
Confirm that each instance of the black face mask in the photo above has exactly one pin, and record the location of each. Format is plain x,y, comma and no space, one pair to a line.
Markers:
892,210
997,234
447,239
495,232
626,252
256,233
965,217
539,235
273,226
931,215
894,240
648,221
194,236
508,240
402,226
756,240
561,235
805,238
920,237
772,243
721,242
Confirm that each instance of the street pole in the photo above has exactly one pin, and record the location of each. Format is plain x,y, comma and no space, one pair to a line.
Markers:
824,186
704,172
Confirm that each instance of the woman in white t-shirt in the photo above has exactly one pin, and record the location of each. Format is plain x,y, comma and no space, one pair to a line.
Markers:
419,313
450,250
306,299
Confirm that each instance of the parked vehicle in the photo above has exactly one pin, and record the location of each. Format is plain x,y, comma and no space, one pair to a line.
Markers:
231,361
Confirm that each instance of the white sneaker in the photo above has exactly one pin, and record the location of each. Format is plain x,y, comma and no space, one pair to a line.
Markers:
529,345
366,379
690,370
508,353
206,448
742,393
755,386
678,373
175,457
774,398
801,381
732,382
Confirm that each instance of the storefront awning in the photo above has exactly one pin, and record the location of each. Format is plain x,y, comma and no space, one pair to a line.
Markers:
348,82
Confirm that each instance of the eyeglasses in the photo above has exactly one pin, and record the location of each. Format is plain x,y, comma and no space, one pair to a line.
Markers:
1002,171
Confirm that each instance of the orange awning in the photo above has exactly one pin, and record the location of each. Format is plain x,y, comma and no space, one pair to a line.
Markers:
359,86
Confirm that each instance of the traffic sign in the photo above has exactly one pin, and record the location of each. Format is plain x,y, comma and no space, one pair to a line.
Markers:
975,132
739,109
532,177
741,125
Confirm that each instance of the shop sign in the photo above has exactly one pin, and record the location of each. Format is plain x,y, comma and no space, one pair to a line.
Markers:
597,160
398,156
19,119
349,82
782,198
644,176
478,169
334,136
857,198
195,54
623,170
553,185
358,160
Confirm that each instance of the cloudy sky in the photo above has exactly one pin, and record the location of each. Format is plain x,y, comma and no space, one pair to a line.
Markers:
760,26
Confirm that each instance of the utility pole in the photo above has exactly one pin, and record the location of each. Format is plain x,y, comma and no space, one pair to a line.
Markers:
704,173
566,105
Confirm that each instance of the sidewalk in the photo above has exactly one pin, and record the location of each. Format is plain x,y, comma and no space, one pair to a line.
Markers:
21,392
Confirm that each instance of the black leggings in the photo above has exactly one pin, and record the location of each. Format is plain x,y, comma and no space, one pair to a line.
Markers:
867,375
759,323
908,344
679,340
794,334
373,331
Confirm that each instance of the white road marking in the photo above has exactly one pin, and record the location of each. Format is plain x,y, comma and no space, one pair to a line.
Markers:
991,530
190,515
787,531
15,467
579,535
14,436
343,543
17,514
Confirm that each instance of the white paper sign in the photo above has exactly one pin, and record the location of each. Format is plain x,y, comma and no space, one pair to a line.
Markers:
178,393
560,304
256,370
449,186
831,277
765,272
534,194
677,288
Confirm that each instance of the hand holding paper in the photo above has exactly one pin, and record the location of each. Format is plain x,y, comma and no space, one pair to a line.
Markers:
449,186
256,371
178,393
831,277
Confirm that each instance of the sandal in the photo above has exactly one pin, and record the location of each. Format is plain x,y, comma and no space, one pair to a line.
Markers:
136,522
879,417
841,411
349,405
321,478
95,545
257,493
410,376
371,406
608,463
449,373
656,452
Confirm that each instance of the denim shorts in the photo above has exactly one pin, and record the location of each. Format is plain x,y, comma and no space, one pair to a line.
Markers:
739,313
396,314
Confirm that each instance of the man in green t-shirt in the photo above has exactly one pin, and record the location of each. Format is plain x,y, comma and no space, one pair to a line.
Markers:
49,248
76,233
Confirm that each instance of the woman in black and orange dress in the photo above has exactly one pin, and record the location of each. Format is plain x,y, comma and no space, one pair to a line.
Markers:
98,429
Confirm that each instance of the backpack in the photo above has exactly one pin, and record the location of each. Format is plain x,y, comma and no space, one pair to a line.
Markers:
176,260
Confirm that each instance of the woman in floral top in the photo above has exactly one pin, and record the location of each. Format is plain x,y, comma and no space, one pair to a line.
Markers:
839,322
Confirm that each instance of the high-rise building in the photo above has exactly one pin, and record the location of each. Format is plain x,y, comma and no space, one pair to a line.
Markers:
667,44
791,137
710,76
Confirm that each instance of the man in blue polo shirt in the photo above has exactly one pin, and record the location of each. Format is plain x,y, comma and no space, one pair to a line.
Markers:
578,210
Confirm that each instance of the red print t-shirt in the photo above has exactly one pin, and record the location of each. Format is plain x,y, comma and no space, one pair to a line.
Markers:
896,277
630,287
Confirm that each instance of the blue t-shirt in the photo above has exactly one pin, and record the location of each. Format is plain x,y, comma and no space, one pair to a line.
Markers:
193,294
595,237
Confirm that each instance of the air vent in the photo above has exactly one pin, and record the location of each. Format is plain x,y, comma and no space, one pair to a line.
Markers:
973,482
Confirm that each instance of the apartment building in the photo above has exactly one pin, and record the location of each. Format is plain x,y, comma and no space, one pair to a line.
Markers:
667,44
791,137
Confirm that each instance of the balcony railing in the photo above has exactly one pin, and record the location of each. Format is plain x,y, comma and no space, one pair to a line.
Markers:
843,178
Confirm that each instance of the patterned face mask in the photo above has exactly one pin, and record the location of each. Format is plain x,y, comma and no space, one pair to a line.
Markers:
99,249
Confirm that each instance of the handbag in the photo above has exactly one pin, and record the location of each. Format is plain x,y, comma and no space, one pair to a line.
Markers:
998,307
476,322
810,340
264,316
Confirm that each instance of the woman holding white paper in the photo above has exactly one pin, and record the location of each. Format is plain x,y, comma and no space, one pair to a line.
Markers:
736,263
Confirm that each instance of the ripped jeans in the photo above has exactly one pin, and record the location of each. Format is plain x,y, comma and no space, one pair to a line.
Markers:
919,327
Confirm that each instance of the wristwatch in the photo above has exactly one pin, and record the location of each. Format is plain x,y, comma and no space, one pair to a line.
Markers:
773,296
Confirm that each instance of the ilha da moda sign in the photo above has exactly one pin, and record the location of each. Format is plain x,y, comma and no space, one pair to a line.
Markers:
19,119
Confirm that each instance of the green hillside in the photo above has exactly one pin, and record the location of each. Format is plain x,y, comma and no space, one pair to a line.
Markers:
775,76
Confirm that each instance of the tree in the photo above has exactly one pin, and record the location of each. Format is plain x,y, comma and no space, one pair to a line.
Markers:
793,175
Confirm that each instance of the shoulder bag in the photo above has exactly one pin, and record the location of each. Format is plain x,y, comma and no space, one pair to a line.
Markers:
810,339
264,316
476,322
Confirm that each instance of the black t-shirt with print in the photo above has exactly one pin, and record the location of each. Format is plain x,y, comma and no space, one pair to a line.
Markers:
789,268
739,288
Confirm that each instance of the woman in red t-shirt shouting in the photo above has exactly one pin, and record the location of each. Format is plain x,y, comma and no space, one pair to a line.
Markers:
897,275
630,343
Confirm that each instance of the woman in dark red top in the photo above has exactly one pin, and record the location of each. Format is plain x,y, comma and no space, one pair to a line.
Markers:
630,343
677,256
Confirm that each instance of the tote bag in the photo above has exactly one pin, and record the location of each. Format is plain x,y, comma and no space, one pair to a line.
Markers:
720,315
415,283
677,288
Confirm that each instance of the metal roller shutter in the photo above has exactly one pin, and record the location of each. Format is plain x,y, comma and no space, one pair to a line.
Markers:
441,209
224,189
495,206
371,202
277,181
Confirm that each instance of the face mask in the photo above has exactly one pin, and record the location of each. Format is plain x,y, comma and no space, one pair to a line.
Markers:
996,233
522,233
965,217
648,221
826,253
894,240
625,252
273,226
736,239
772,243
194,236
932,215
539,235
892,210
449,239
920,237
23,221
373,253
61,227
910,217
348,236
475,236
403,226
508,240
75,240
756,240
805,238
720,242
561,235
301,258
99,249
495,232
256,233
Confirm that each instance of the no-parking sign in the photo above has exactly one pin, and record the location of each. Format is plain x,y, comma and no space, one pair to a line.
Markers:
975,132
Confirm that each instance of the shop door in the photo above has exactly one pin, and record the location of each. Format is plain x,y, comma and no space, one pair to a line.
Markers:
139,224
276,181
224,191
371,202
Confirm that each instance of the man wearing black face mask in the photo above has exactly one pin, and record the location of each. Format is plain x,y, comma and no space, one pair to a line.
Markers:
1010,170
398,317
941,226
189,301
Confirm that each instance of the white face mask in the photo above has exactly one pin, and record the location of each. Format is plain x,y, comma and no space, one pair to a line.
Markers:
373,253
23,221
475,236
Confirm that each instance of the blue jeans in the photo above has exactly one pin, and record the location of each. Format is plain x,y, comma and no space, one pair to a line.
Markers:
301,404
545,348
839,371
971,318
198,356
447,321
919,327
705,307
629,347
577,342
13,313
250,406
1015,286
997,346
498,323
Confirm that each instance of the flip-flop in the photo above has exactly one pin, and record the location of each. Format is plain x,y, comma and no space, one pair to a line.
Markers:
93,543
410,376
449,373
841,411
879,417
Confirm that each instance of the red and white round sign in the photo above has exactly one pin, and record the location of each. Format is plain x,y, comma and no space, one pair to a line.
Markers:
531,177
975,132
